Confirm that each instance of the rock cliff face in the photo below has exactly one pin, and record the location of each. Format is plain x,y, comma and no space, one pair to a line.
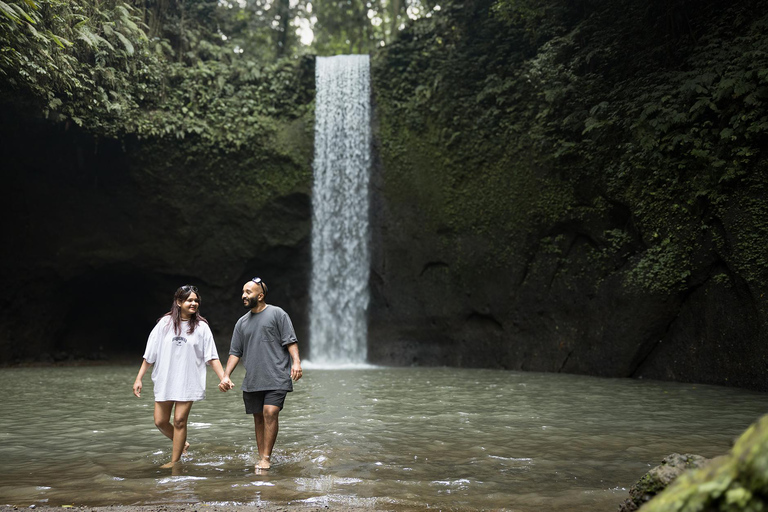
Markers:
437,300
509,231
507,234
99,234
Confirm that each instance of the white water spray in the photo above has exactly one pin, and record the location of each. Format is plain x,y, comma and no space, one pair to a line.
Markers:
340,228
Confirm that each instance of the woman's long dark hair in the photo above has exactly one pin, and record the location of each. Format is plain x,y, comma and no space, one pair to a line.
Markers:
175,313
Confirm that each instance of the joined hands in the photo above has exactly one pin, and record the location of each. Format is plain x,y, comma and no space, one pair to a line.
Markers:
225,385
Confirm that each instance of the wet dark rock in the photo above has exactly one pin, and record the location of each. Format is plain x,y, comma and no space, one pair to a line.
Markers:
102,233
45,357
658,478
439,300
63,356
498,286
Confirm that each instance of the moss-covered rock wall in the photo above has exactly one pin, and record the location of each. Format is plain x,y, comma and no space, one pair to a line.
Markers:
574,186
100,232
558,186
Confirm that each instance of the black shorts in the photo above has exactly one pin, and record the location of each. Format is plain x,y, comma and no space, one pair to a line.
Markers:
256,400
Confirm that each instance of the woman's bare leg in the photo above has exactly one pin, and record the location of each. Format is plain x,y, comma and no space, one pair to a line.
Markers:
163,418
180,416
177,431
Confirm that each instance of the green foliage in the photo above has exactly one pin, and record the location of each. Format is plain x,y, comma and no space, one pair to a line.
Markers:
225,106
261,30
540,20
501,118
446,101
224,73
245,178
688,145
526,110
361,26
343,27
664,268
58,51
96,67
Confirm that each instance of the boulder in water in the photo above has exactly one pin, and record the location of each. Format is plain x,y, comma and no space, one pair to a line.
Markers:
737,481
658,478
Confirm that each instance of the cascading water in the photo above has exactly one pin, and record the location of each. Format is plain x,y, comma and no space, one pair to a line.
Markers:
340,228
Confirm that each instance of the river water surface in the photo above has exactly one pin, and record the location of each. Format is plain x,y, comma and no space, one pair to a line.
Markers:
401,439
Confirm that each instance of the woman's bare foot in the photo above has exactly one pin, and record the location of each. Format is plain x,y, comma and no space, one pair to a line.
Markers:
184,451
169,464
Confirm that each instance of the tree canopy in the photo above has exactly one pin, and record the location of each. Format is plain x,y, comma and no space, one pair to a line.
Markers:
180,67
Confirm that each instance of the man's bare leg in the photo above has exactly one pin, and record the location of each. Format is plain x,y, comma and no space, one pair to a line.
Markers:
266,425
258,423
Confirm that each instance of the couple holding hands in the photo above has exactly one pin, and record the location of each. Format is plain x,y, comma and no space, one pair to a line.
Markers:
181,345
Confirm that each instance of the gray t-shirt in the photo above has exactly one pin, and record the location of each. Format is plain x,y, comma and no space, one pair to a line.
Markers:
260,341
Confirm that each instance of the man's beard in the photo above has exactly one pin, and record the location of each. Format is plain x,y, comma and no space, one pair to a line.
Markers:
252,303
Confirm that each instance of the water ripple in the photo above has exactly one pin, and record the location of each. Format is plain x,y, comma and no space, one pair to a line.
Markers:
390,438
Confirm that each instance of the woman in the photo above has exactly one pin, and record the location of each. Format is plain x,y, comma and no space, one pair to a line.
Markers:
179,346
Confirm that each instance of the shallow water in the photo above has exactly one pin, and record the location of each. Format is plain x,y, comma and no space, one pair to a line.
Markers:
410,438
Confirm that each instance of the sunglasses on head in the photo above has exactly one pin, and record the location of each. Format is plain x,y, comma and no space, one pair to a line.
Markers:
189,288
258,280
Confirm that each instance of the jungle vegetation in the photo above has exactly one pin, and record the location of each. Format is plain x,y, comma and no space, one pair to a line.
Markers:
215,69
659,106
555,112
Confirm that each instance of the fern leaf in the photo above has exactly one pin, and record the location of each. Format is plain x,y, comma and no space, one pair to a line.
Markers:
23,13
7,11
93,40
84,34
131,25
55,39
128,45
62,42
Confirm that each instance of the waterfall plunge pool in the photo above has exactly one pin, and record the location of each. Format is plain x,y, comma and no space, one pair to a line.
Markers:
394,438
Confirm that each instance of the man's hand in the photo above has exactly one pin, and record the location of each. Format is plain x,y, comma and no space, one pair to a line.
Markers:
137,388
225,385
296,371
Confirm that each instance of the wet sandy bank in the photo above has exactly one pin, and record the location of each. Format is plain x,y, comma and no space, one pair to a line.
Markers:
198,507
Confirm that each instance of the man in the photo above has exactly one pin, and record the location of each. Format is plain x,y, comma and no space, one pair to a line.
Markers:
264,339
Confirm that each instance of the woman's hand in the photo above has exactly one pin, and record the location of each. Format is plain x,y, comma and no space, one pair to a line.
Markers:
137,384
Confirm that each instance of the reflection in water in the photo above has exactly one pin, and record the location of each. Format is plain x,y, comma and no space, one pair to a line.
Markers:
394,438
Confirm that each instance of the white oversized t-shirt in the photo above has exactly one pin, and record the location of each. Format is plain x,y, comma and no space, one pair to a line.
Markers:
179,360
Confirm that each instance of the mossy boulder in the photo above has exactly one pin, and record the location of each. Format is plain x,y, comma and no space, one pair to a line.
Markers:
659,478
734,482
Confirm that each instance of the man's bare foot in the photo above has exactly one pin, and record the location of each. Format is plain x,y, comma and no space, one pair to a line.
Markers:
263,464
186,446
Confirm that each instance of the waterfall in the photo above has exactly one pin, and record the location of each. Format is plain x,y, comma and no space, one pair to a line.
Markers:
340,228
